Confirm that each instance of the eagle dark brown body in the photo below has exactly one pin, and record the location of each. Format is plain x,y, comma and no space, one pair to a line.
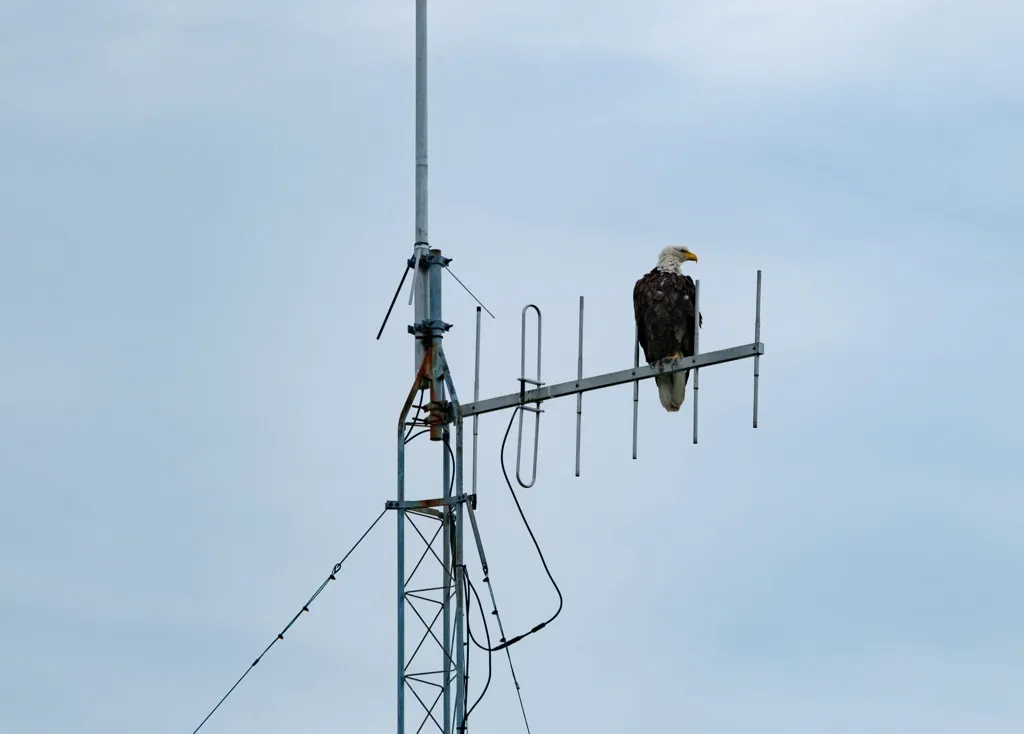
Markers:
663,306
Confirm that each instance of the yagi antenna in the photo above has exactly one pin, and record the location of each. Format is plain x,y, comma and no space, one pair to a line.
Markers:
531,399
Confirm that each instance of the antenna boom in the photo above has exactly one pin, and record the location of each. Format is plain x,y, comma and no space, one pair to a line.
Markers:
644,372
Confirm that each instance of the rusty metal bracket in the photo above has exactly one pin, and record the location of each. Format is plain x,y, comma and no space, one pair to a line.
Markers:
440,412
422,504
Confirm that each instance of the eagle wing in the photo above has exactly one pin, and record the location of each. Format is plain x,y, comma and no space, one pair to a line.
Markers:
639,309
700,316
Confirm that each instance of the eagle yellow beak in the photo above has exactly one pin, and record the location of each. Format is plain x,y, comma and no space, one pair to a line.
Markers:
689,256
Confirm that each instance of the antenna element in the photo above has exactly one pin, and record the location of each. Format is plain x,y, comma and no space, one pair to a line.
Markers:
535,409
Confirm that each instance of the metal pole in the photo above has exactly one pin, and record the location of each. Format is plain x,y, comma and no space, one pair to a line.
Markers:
434,335
419,281
461,680
476,394
446,614
439,431
757,340
400,514
579,396
421,121
421,373
421,294
636,384
696,350
457,539
456,516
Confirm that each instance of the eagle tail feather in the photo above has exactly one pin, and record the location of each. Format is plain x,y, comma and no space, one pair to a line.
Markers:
679,387
664,383
672,390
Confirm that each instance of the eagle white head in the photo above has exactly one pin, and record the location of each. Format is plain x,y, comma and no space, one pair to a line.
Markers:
671,259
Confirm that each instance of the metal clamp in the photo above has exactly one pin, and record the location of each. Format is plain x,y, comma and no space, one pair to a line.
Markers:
535,409
430,327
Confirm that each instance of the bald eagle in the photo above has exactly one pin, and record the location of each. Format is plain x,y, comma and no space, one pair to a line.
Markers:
664,312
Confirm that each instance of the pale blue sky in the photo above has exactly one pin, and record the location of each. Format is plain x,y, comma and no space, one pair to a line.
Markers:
204,210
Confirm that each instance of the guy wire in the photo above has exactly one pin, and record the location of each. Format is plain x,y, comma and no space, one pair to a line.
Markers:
305,608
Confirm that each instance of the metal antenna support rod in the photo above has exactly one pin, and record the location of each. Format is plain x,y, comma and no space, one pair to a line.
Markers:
476,534
757,340
579,396
455,523
421,123
432,331
636,385
421,295
446,608
419,292
476,394
696,351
